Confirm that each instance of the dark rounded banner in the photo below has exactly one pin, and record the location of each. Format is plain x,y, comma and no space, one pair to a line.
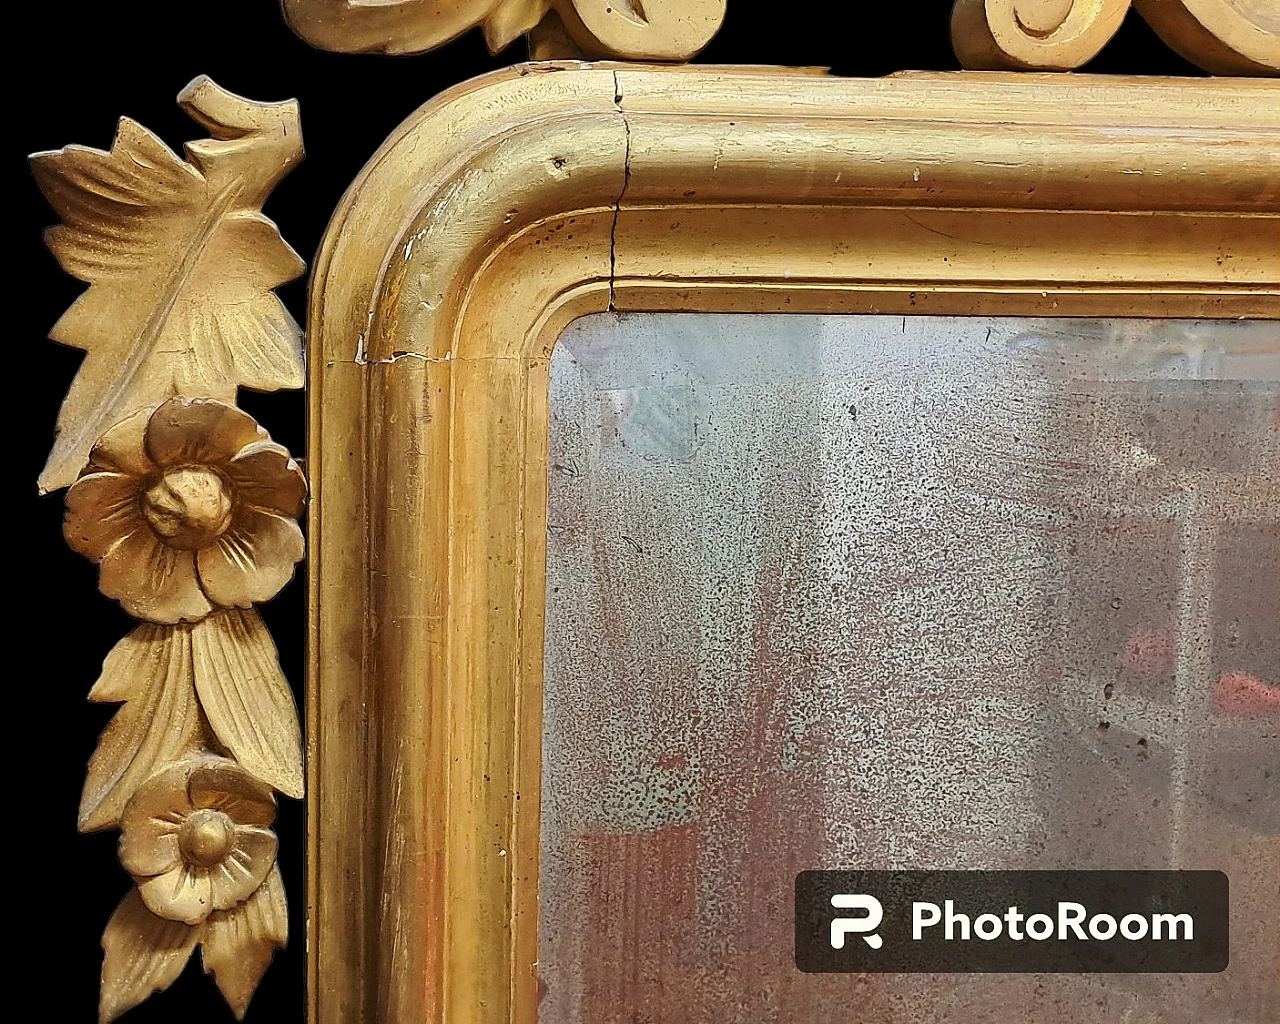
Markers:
1012,922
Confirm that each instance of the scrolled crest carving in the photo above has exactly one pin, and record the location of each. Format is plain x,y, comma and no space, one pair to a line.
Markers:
190,511
1225,37
1234,37
1229,37
1045,34
663,30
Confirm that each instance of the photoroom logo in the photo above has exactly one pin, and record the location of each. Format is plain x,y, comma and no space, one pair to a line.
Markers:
1012,921
843,926
1068,922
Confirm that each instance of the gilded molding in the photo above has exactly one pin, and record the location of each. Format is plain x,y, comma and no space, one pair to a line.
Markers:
190,510
1225,37
661,30
436,299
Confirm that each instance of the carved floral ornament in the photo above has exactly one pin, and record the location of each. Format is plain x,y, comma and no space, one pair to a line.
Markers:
187,508
190,510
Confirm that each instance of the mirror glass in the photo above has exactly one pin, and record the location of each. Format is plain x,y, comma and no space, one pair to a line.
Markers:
902,592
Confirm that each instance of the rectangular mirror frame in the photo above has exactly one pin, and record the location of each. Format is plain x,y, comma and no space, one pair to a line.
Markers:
511,205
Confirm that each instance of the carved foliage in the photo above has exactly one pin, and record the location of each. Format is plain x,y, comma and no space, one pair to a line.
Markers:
671,30
145,953
1239,37
180,264
190,510
1230,37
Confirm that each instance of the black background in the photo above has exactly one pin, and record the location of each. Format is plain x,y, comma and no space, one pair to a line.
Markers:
84,64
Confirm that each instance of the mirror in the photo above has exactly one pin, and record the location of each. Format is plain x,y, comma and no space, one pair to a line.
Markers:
902,592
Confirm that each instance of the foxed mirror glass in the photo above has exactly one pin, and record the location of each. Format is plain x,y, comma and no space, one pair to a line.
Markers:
902,592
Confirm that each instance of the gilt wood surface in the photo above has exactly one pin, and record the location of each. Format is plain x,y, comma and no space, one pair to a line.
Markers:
1224,37
655,30
190,511
1227,37
512,204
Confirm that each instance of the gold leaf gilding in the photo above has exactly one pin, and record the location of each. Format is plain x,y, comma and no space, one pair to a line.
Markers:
1224,37
238,944
187,508
247,699
180,264
143,954
195,838
664,30
190,509
151,670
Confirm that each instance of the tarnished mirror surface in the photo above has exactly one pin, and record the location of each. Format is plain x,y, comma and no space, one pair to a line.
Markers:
917,592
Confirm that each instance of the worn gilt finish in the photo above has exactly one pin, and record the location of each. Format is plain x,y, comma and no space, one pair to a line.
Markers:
1225,37
190,510
664,30
511,205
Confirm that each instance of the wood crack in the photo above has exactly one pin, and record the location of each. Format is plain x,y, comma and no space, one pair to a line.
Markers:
626,181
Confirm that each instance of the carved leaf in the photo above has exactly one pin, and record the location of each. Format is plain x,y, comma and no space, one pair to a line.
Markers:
408,26
246,698
634,29
511,20
238,944
151,670
180,264
143,954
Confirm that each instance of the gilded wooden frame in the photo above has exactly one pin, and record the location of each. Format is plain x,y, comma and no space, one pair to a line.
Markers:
512,204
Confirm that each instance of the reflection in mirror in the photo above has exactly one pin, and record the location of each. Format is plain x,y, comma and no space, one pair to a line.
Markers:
902,592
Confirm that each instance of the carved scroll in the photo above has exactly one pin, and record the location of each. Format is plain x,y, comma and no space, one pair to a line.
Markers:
190,511
1228,37
1236,37
1225,37
1043,34
666,30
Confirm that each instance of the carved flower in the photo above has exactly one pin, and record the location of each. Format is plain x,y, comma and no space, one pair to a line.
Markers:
195,838
187,508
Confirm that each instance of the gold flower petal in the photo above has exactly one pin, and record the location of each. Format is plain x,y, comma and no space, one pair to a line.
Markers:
265,476
224,786
252,560
122,448
152,581
182,894
150,822
146,852
202,431
237,944
102,509
238,877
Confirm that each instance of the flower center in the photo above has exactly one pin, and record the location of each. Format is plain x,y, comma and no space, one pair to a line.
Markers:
189,506
206,838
